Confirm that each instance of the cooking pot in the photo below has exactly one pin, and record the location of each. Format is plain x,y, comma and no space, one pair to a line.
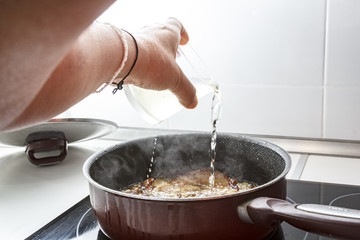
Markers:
252,214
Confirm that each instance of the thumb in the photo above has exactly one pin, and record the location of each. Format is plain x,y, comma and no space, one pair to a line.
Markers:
185,91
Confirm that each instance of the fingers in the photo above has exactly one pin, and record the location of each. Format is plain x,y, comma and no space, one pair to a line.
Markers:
183,88
184,36
185,91
171,77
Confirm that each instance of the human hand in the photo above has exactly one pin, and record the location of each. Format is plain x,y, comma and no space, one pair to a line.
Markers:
156,66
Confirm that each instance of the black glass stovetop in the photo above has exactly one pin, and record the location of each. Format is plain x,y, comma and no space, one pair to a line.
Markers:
79,222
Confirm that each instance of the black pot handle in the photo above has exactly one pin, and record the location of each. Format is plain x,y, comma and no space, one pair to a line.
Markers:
320,219
52,144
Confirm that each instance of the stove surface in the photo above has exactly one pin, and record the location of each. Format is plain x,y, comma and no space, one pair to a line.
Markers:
79,222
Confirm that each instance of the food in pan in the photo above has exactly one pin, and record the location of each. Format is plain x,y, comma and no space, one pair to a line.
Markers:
193,184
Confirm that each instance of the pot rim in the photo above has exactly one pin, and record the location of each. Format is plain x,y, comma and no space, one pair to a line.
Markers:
285,156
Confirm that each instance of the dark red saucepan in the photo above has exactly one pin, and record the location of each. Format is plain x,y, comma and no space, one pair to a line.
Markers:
251,214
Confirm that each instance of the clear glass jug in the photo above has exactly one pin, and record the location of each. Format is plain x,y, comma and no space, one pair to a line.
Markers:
157,106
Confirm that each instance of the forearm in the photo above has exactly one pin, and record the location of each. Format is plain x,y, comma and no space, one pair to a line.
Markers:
35,37
92,61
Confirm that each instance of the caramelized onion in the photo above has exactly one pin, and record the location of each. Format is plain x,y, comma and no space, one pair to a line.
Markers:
193,184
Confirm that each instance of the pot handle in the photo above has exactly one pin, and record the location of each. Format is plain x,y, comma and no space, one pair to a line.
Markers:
320,219
51,144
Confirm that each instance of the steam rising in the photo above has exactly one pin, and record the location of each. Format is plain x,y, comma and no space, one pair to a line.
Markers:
174,155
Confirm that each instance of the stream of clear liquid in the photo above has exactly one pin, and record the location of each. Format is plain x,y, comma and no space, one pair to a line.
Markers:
215,117
151,160
216,108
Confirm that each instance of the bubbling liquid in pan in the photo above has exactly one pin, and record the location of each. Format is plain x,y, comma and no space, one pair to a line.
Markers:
193,184
198,183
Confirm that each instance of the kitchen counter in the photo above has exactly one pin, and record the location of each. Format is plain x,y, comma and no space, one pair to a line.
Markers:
32,196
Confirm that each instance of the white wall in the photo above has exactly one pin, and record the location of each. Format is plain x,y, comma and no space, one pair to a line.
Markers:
285,67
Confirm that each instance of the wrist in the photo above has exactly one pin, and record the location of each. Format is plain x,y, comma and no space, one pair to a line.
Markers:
113,46
119,85
131,58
